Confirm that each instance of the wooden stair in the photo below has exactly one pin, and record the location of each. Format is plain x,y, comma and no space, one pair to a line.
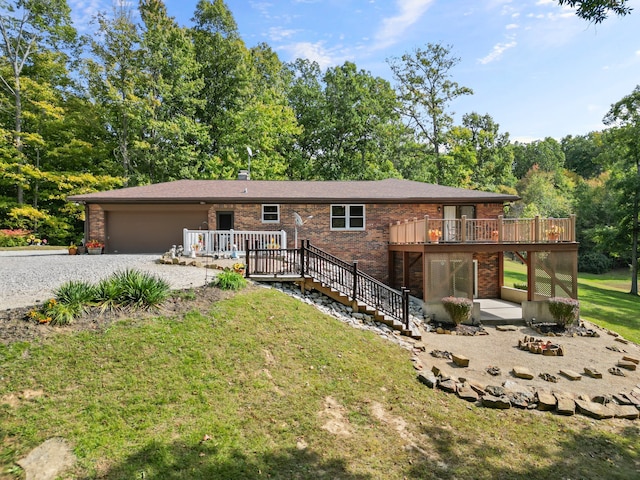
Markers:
309,283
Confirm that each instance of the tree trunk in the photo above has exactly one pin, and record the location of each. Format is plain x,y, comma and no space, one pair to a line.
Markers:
634,241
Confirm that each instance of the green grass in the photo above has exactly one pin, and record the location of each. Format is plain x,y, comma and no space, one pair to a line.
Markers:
604,299
243,392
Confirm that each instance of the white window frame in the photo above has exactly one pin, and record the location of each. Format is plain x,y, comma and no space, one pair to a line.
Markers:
276,213
347,217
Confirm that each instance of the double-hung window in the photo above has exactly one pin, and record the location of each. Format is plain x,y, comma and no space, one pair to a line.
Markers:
347,217
270,213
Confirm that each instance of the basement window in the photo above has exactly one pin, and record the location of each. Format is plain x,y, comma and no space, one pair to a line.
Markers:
270,213
347,217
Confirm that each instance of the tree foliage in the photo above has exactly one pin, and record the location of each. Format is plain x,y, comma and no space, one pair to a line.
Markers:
597,11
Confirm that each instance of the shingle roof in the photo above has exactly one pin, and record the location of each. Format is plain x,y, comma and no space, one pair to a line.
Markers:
260,191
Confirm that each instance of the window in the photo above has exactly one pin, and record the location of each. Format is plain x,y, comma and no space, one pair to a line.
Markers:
347,217
270,213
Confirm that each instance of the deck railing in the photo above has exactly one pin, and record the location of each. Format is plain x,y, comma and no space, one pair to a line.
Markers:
333,272
228,242
483,230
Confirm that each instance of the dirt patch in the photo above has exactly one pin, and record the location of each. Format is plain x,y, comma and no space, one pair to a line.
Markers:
16,326
334,417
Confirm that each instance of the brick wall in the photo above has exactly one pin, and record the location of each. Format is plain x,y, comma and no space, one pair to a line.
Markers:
368,247
96,219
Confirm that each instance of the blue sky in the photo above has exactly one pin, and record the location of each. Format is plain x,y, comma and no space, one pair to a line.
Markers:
535,67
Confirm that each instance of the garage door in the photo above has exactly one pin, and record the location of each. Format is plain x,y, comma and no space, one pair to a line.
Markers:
149,231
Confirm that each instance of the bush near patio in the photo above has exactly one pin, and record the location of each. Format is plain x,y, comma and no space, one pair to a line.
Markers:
458,308
564,310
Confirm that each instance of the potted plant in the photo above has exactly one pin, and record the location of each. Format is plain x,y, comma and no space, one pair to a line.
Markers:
554,232
73,250
94,247
434,235
239,268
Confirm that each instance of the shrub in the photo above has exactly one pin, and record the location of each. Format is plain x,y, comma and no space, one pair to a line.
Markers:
13,238
458,308
564,310
230,280
594,262
107,294
521,286
75,292
140,289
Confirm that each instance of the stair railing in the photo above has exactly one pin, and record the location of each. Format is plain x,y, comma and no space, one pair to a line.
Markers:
344,277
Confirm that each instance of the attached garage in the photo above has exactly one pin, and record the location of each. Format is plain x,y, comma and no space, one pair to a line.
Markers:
150,228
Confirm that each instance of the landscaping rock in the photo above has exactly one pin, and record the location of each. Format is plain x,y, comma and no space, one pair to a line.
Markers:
460,360
546,401
48,461
448,386
505,328
627,365
565,404
491,401
571,375
593,410
627,358
592,372
467,393
522,372
428,379
477,387
495,390
628,412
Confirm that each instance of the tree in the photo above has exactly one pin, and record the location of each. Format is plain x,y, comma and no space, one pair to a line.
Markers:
115,77
425,90
349,121
597,11
624,118
226,71
171,141
487,154
546,154
27,27
582,154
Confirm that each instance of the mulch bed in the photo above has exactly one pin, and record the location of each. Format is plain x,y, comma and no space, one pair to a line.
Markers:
16,326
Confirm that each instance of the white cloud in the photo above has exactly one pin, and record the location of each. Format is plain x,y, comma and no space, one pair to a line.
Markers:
512,26
316,52
497,52
394,27
277,34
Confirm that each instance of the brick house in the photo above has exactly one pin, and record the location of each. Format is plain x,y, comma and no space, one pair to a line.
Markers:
353,220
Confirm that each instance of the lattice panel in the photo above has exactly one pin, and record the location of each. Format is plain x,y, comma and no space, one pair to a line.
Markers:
554,274
448,275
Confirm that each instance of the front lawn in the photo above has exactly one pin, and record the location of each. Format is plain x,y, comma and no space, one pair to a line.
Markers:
263,386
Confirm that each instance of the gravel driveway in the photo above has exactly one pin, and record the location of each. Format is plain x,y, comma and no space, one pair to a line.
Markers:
29,277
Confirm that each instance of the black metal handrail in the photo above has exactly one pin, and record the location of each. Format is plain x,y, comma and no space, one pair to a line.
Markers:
330,270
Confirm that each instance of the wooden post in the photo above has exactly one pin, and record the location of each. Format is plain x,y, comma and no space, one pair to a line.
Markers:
426,228
463,227
500,228
302,260
536,228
